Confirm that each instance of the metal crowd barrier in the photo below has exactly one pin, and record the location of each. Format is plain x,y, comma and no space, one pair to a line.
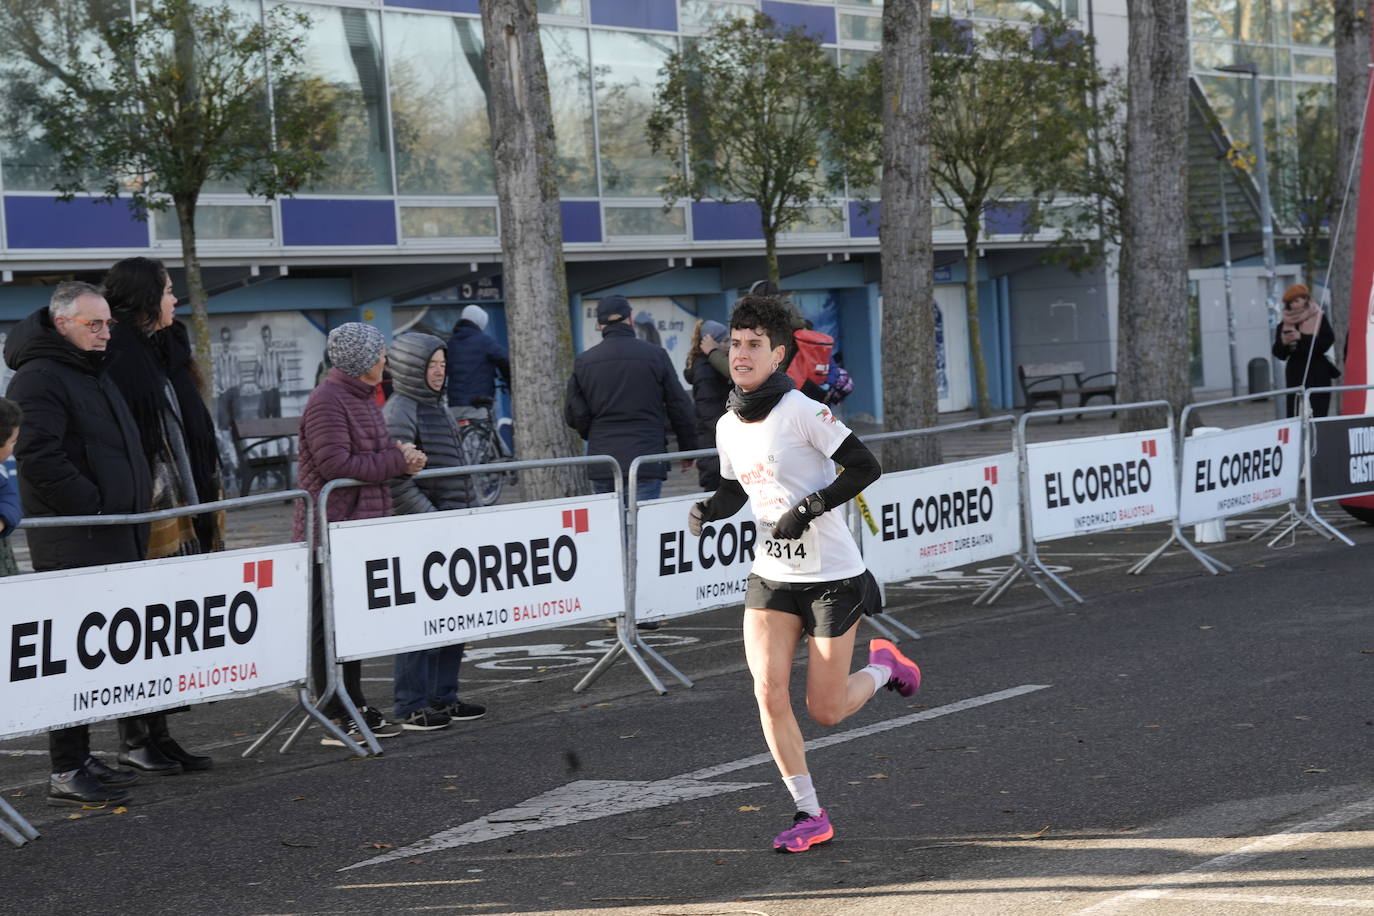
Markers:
1062,498
327,559
1187,444
260,573
1019,564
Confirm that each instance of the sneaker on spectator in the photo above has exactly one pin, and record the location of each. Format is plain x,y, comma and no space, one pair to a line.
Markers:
806,831
425,720
378,725
350,729
465,712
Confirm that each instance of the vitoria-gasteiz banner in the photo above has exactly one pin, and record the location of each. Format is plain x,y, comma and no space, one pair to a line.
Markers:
82,645
417,581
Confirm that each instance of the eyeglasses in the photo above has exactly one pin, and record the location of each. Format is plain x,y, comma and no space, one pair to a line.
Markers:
95,324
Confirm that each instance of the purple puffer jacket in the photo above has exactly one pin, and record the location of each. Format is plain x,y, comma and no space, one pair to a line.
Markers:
343,435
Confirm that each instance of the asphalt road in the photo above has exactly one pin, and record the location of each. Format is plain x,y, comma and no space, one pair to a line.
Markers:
1180,743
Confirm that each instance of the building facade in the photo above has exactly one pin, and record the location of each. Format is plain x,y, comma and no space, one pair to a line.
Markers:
402,228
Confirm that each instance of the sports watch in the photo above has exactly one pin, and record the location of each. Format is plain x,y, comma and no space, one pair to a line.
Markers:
811,506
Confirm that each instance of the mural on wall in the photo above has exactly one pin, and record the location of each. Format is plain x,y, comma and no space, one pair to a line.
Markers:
663,320
264,366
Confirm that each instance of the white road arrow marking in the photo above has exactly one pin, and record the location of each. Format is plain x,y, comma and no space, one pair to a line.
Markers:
590,799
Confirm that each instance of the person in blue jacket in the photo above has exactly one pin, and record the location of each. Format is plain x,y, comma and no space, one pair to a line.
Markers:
475,360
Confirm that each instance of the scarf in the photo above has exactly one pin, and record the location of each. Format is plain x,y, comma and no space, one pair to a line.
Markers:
752,406
1306,320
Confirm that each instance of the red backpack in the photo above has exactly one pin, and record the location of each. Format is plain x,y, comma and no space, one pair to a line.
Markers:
812,362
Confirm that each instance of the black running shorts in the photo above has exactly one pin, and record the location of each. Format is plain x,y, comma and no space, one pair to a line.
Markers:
827,609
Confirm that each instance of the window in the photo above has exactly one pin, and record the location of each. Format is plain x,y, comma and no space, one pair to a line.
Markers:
622,221
437,74
218,223
625,70
343,68
570,97
448,222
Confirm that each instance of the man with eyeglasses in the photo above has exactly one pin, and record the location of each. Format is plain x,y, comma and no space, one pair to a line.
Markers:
78,454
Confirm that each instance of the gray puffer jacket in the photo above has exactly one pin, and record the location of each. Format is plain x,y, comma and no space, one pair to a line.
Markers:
416,413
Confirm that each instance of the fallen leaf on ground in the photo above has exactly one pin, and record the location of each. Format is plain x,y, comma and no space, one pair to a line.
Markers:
876,776
73,817
1038,834
1314,770
1207,628
380,846
749,808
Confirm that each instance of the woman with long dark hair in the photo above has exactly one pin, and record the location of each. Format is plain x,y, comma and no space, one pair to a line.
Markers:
152,365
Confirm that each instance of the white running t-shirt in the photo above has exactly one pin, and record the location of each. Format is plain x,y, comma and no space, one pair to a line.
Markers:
779,460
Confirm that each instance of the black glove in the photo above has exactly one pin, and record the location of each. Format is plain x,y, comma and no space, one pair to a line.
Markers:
794,522
695,516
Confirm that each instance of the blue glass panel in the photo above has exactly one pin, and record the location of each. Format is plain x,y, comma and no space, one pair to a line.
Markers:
714,221
46,222
338,222
636,14
581,220
863,221
447,6
815,20
1007,219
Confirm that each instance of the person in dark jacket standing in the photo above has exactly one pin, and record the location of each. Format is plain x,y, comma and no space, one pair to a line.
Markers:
1302,338
710,381
79,454
343,435
426,681
622,396
150,363
475,360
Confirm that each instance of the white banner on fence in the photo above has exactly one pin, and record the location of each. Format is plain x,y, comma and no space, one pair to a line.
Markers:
110,641
1234,471
677,574
1078,486
936,518
418,581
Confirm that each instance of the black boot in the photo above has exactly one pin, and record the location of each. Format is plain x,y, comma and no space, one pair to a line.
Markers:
164,742
83,790
137,749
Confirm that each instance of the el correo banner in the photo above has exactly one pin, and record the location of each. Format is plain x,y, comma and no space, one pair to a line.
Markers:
1342,456
417,581
1238,470
678,574
105,642
940,517
1078,486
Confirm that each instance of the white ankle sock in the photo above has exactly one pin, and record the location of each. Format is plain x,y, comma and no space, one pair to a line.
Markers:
803,793
881,674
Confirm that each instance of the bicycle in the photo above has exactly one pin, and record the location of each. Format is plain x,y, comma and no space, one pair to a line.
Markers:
480,442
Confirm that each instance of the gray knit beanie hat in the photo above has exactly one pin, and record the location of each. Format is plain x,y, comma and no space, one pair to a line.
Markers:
355,347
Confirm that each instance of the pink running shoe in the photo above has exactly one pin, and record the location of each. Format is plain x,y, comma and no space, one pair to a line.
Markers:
906,676
806,831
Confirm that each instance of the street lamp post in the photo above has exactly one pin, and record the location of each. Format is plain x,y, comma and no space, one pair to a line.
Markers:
1226,273
1271,295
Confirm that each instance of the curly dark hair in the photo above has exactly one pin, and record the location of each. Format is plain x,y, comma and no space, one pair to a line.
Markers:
10,418
767,313
133,287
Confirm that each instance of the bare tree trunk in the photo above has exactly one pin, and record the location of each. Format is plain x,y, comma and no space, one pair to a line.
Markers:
195,291
1152,345
975,326
536,289
1353,53
910,397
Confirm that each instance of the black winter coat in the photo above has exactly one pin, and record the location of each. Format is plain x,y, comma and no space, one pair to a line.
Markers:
709,391
622,396
79,451
415,413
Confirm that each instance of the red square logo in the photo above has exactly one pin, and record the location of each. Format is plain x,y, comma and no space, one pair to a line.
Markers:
1283,435
264,574
990,474
576,519
249,572
1148,447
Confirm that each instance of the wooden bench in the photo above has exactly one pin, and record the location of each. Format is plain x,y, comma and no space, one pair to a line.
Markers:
1045,383
250,434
